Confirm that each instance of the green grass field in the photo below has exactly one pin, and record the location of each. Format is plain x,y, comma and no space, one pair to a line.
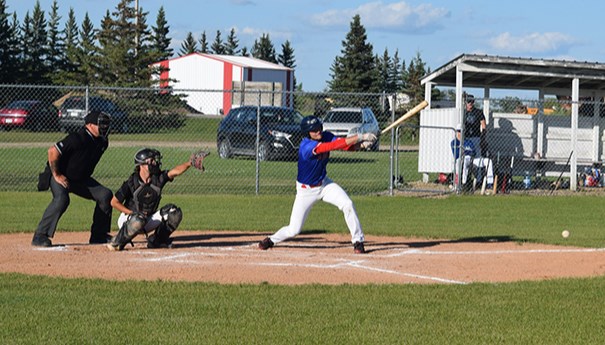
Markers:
47,310
43,310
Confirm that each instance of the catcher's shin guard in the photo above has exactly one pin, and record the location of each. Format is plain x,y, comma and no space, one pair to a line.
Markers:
133,226
171,218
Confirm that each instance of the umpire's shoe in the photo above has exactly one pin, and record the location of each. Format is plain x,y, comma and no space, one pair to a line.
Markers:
265,244
358,248
41,241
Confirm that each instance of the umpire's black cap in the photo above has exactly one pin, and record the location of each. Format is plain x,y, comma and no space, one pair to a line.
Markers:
97,117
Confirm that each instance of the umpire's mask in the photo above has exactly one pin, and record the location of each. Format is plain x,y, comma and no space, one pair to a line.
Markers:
101,119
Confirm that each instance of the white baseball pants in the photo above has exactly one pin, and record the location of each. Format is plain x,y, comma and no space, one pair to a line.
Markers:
306,197
477,163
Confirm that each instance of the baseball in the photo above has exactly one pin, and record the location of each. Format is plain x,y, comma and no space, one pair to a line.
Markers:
565,234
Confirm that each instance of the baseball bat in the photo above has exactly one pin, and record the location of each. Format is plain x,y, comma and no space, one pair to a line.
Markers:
495,184
406,116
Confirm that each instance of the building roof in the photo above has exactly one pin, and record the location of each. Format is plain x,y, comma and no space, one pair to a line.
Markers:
241,61
520,73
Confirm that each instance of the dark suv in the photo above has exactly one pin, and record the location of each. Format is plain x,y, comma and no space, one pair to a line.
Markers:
280,133
73,111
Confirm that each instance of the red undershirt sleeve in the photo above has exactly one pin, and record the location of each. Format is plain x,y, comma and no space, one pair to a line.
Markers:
338,144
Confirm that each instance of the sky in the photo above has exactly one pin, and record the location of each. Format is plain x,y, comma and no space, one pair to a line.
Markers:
440,30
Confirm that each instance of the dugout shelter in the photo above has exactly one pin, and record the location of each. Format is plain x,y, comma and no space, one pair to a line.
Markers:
552,138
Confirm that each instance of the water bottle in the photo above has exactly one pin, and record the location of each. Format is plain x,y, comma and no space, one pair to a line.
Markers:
527,180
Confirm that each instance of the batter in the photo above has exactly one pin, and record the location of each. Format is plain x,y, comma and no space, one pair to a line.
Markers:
313,184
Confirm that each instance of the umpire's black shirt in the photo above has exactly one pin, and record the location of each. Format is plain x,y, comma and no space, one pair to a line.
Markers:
80,153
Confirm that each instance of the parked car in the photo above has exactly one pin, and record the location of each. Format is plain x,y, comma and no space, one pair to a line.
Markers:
31,114
280,133
73,111
344,122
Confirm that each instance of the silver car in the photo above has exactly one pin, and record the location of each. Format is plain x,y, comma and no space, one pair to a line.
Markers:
344,122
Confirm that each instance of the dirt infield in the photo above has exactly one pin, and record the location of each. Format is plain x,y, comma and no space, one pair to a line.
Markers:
233,257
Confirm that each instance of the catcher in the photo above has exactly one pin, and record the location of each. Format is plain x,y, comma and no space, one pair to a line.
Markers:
139,198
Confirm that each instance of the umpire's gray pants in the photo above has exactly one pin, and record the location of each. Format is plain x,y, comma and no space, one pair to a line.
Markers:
88,189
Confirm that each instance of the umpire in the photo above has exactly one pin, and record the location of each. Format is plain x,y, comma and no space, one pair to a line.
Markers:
72,162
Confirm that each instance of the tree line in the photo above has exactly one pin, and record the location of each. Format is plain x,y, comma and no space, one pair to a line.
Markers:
120,51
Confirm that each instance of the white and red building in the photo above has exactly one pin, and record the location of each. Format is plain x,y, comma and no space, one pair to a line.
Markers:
209,81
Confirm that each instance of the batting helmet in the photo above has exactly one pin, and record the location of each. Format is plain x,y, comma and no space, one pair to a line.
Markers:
311,124
143,156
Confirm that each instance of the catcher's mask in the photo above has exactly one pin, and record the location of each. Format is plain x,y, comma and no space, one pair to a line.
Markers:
101,119
311,124
150,157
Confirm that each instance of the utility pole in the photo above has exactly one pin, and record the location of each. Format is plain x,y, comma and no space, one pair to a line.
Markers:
136,33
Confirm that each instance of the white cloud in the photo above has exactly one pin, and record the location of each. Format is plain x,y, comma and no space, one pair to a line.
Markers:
255,33
397,15
547,42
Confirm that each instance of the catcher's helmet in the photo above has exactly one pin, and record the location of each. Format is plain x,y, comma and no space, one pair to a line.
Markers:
143,155
311,123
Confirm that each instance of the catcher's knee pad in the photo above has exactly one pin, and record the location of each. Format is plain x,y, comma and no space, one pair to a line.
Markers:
171,216
133,226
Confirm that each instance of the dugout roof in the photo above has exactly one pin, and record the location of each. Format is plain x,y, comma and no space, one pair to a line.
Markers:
552,76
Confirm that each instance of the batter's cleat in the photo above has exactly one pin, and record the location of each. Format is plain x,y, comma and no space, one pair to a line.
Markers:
358,248
265,244
41,241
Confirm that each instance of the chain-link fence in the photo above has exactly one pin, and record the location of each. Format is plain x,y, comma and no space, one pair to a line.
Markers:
528,145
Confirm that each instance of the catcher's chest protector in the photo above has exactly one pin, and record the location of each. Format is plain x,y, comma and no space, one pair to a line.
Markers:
146,197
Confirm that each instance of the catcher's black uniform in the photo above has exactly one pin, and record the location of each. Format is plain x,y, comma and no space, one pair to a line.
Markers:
143,197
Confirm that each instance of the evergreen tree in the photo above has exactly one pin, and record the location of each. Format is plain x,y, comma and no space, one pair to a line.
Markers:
394,83
383,65
286,57
69,58
87,54
245,52
412,76
218,46
188,46
160,42
125,52
263,49
9,46
56,46
35,44
232,45
354,70
204,43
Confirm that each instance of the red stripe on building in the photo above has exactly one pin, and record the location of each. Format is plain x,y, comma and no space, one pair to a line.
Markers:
164,74
227,85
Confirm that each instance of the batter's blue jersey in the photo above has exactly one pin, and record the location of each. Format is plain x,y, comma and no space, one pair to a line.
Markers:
312,168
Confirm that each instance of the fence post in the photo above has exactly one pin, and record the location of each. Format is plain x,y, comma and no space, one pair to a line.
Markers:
257,173
87,96
392,147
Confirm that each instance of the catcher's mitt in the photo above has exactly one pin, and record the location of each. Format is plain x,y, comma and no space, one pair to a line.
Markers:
197,159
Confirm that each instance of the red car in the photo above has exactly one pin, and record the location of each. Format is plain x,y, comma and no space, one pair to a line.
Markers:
30,114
